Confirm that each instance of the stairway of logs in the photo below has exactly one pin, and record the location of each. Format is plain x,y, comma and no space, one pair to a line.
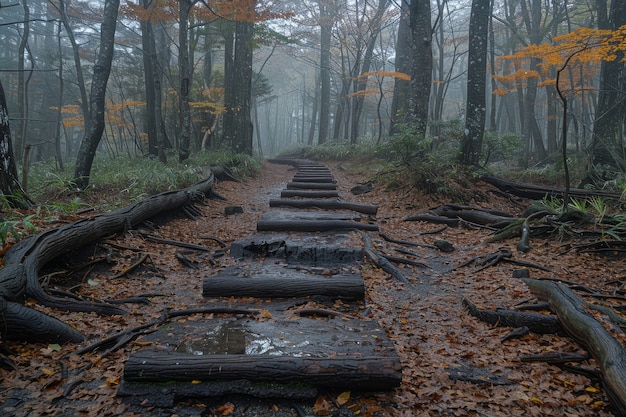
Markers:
294,299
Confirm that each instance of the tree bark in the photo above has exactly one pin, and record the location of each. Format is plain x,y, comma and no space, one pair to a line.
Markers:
580,325
101,71
421,66
9,185
472,142
184,66
326,24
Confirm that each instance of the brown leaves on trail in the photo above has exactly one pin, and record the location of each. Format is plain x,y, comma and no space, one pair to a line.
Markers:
453,364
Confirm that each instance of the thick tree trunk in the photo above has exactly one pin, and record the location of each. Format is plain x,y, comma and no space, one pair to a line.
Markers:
20,275
10,188
580,325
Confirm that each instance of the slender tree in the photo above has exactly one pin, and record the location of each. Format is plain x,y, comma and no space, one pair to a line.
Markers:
101,71
421,65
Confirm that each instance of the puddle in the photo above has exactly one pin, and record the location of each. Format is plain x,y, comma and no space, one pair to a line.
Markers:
236,338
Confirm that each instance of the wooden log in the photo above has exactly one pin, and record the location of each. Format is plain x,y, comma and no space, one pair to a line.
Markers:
349,286
535,322
311,186
375,373
308,194
311,225
319,179
325,204
537,192
581,326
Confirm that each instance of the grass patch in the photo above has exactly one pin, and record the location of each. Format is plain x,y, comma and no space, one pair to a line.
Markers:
116,182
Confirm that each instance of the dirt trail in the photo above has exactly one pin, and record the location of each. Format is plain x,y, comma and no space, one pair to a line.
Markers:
453,365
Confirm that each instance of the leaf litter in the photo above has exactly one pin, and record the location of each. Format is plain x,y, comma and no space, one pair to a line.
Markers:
453,364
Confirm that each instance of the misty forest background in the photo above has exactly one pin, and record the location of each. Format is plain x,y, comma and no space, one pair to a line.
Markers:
525,86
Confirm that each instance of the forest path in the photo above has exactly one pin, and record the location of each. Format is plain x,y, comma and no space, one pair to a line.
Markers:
452,364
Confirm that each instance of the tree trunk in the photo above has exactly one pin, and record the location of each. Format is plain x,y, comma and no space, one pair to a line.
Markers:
609,116
326,24
476,83
399,104
9,185
421,66
184,66
101,71
148,45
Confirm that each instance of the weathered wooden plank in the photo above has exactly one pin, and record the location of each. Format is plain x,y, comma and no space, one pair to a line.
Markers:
311,186
308,194
235,282
311,226
325,204
353,372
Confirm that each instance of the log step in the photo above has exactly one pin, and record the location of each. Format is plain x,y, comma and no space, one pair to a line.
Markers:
311,186
341,353
308,194
263,280
325,204
298,178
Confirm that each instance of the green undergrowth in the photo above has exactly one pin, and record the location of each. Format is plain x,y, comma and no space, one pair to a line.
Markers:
120,181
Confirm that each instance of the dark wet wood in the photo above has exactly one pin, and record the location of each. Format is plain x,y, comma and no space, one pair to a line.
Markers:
326,205
581,326
311,186
308,194
311,225
537,192
344,372
230,283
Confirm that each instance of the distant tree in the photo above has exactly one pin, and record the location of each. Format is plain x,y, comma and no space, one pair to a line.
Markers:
238,83
421,66
326,25
472,142
10,187
404,49
101,71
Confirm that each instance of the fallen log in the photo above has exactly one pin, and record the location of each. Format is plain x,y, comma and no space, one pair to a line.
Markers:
325,204
537,192
375,373
582,327
536,322
20,276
